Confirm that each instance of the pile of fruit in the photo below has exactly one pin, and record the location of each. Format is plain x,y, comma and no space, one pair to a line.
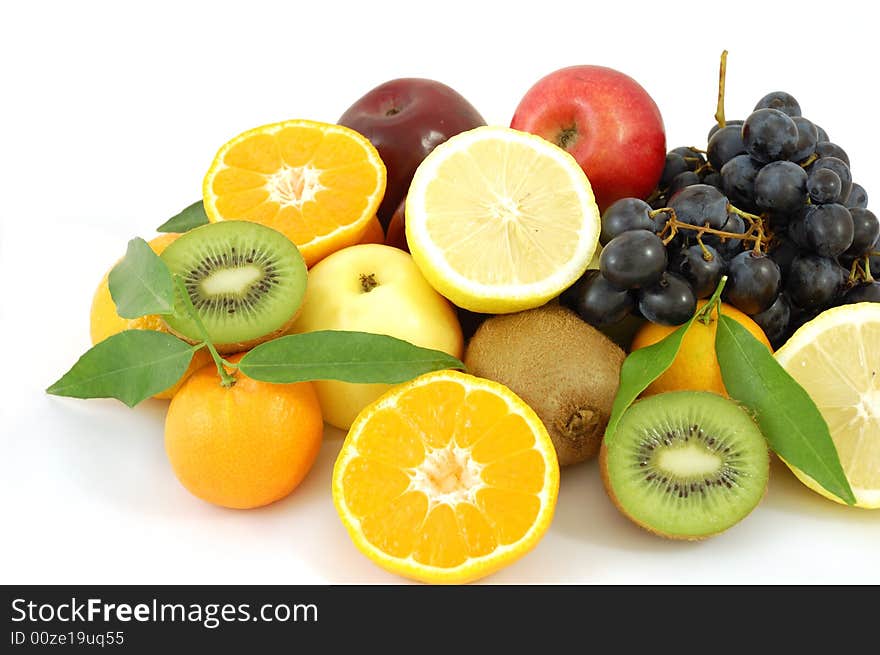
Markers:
770,202
459,298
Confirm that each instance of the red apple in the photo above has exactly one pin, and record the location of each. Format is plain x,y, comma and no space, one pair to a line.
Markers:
609,124
406,119
395,235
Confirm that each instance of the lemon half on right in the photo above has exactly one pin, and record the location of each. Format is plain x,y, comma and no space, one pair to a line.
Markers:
500,220
836,358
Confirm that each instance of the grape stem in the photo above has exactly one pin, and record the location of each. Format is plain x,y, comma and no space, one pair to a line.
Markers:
809,160
861,269
226,379
722,75
705,313
756,232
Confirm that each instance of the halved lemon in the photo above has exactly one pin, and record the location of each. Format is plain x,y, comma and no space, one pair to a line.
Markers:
836,358
500,220
318,184
446,479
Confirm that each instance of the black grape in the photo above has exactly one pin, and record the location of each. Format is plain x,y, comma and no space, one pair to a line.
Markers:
633,259
692,158
866,230
674,165
774,320
682,181
781,101
598,302
828,149
858,197
813,282
671,301
839,167
753,282
724,145
808,137
770,135
702,268
738,180
699,204
624,215
717,127
781,186
829,229
824,186
865,292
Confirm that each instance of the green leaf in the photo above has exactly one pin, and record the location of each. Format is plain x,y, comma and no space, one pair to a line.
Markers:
641,368
141,283
191,217
786,414
130,366
339,355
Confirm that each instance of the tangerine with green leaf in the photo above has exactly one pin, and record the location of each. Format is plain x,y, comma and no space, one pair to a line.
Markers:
695,367
245,445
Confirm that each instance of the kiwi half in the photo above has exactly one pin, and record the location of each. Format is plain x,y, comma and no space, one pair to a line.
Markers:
686,464
245,280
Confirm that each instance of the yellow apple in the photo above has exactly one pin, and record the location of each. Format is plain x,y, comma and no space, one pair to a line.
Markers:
379,289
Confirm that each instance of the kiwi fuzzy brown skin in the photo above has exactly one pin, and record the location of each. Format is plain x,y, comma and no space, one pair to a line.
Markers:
566,370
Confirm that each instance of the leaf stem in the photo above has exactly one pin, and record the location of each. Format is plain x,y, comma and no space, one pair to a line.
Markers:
704,314
226,379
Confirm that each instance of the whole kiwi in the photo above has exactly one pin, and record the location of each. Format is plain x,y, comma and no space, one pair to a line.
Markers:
566,370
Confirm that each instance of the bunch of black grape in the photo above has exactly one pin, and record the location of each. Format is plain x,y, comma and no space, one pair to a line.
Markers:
770,203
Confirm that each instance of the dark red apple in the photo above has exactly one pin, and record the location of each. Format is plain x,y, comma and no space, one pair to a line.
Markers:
406,119
395,235
606,120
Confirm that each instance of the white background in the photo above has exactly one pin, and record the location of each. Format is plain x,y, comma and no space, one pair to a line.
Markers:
110,115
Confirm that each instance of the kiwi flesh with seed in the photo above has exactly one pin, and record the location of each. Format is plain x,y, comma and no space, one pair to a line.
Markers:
564,369
246,281
686,464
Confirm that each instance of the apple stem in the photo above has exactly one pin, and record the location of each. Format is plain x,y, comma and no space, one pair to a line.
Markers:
566,137
722,75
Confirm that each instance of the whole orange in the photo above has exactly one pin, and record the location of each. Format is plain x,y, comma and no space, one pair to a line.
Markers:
696,366
105,322
242,446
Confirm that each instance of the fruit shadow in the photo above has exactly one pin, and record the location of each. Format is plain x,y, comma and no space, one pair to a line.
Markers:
789,495
328,549
585,513
114,454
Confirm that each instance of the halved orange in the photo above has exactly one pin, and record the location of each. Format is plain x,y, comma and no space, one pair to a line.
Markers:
446,478
317,183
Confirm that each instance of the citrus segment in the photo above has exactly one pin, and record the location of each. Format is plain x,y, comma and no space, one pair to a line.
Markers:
500,220
833,358
434,489
317,183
